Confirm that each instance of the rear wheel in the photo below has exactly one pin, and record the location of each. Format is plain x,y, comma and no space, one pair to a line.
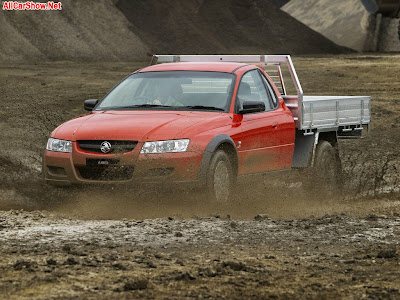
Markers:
327,171
220,177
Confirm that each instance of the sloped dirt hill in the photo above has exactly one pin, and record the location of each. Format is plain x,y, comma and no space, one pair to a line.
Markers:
82,30
227,26
128,31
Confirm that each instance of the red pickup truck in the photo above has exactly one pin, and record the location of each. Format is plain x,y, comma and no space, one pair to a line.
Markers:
204,119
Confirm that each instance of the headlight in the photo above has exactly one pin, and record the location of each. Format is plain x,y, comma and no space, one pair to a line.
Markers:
165,146
59,145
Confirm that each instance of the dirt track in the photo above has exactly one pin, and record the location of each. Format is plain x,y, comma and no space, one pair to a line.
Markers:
307,248
328,257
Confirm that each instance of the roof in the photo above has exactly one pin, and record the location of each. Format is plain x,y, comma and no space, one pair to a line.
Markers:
195,66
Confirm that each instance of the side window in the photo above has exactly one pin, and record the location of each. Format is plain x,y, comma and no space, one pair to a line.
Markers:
252,88
272,95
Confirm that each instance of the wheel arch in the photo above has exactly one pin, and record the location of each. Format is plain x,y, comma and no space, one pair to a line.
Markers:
220,142
230,149
329,136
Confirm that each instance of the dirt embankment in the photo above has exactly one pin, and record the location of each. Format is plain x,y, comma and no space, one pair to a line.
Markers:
131,30
82,30
228,26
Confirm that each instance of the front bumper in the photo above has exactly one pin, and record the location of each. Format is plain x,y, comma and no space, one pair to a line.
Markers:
87,167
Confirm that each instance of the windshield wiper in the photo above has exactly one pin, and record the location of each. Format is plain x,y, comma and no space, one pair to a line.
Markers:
204,107
144,105
159,105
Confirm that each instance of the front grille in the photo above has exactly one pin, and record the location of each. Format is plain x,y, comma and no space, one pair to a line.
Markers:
116,146
106,173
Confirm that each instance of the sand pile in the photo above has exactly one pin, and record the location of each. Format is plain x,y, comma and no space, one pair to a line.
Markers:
343,21
82,30
226,26
347,23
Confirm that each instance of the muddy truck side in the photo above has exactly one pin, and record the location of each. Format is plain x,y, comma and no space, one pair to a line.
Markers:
205,119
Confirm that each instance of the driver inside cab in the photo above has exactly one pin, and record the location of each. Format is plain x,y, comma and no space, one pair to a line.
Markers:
168,94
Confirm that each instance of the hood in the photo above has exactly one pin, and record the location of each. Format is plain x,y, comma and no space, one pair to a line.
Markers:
132,125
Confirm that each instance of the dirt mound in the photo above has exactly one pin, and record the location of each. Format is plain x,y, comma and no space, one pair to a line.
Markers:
80,31
86,31
227,26
344,22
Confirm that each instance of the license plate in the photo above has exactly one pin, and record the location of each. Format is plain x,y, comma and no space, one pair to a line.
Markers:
101,162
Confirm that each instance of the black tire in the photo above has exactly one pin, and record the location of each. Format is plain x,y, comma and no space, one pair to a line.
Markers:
327,172
220,178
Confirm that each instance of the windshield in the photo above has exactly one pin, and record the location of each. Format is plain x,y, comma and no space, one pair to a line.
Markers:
177,90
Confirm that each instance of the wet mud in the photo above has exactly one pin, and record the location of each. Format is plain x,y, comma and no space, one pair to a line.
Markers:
273,240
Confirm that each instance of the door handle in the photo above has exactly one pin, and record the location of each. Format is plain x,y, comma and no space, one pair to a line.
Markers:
275,125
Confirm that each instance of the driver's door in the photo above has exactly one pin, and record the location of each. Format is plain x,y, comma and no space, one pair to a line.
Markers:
259,149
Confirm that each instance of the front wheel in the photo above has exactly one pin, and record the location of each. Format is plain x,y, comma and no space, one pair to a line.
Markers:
220,177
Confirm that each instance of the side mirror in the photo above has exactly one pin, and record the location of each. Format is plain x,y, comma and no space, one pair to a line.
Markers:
252,107
90,104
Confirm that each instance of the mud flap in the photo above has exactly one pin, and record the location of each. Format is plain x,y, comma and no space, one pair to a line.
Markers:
304,148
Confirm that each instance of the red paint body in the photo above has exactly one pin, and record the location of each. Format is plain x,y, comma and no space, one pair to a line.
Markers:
267,138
